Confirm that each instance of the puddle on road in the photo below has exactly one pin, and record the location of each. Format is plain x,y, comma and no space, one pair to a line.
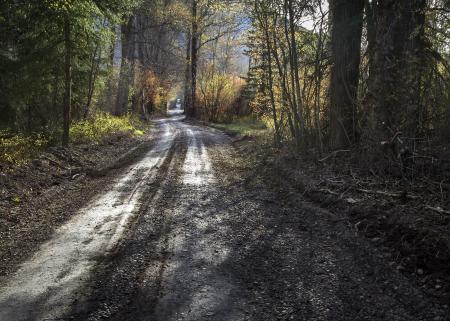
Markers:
46,284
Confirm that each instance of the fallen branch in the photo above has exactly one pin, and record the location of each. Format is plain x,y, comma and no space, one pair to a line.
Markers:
334,154
53,162
326,190
405,195
438,209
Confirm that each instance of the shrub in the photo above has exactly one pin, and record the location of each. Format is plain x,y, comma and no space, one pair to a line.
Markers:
103,125
17,148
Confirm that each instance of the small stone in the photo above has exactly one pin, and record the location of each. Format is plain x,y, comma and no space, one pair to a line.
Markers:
419,271
36,162
438,286
351,200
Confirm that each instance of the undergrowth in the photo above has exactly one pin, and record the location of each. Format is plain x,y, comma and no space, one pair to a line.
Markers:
103,125
18,148
244,126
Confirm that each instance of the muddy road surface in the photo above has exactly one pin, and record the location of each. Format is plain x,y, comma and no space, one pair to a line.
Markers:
184,234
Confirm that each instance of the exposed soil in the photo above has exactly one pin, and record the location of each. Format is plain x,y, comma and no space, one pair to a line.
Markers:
246,246
38,196
212,233
404,218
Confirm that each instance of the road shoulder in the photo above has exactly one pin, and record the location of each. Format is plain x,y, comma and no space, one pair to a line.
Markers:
41,195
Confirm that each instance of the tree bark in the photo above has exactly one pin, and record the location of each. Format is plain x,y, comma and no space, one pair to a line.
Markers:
295,101
347,19
394,79
318,75
295,67
92,78
126,65
68,82
264,22
187,76
194,61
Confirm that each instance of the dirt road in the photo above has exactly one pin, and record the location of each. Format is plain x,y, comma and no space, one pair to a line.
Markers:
184,235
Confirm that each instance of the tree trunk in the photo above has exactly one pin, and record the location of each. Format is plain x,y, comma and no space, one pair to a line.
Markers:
187,76
289,96
68,82
287,103
125,68
295,67
264,22
293,93
393,98
347,18
318,75
92,78
194,61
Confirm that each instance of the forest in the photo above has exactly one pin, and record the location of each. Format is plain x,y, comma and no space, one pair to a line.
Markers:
353,74
356,73
312,137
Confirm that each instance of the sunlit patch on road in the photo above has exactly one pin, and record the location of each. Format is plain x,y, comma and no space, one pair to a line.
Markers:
45,285
197,167
194,287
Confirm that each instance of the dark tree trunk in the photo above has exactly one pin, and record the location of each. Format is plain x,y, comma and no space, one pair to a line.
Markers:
194,60
347,19
187,76
370,9
271,94
394,95
264,22
318,76
126,66
92,78
295,71
68,82
296,101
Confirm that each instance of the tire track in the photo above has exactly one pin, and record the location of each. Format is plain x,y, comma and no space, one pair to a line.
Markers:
140,258
45,285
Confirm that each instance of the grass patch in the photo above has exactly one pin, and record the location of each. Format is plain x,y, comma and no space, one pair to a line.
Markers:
18,148
244,126
102,126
